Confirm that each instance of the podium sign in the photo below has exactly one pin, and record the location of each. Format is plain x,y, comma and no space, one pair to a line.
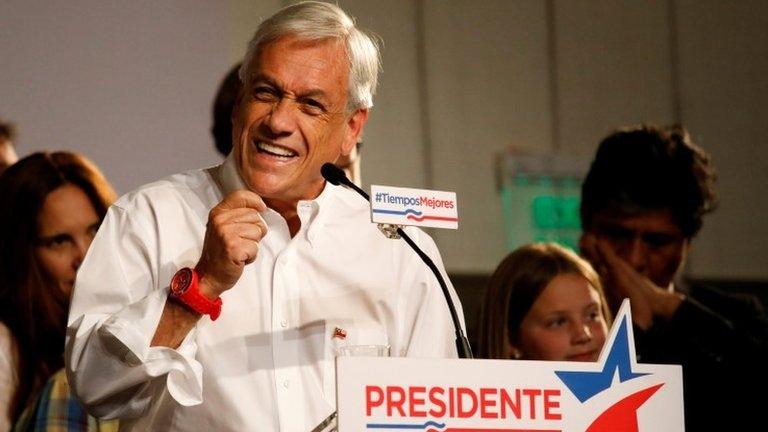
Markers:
435,395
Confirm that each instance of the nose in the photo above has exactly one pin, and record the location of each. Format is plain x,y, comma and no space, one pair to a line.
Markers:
581,333
280,119
637,255
80,249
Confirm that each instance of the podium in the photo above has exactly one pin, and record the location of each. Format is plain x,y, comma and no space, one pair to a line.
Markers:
435,395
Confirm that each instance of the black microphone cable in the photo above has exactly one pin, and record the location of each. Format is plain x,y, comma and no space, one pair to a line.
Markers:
336,176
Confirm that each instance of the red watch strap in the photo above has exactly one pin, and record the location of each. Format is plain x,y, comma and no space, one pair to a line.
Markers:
186,290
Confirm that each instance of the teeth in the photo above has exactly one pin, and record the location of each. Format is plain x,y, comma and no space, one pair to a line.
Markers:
275,150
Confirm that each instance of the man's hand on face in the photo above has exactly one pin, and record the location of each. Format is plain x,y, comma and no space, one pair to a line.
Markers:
232,237
620,281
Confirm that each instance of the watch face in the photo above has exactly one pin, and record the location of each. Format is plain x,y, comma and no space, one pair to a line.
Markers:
181,281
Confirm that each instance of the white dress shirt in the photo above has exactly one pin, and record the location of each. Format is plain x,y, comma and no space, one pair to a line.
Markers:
267,363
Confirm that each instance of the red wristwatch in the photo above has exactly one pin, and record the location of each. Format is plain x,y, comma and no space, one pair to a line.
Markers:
184,289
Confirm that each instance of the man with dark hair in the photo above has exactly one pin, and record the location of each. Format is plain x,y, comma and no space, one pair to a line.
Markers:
8,154
643,202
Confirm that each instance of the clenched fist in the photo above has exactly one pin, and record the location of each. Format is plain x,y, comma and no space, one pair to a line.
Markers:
232,237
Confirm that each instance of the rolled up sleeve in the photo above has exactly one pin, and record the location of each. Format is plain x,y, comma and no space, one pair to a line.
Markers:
119,296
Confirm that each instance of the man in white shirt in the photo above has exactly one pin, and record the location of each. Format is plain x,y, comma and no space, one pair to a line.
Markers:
287,268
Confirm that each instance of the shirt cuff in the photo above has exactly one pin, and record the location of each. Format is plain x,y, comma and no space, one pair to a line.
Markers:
128,335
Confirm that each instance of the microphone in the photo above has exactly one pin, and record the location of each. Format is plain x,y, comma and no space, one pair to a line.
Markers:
335,176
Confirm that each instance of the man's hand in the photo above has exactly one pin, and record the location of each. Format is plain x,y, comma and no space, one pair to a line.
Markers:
232,238
621,281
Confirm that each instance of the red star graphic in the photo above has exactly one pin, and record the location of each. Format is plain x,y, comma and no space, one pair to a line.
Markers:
622,416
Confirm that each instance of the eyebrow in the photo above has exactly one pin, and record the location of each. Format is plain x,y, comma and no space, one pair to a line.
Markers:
592,304
311,93
43,240
94,225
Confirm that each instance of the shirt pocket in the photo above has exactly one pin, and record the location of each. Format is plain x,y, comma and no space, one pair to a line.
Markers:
338,335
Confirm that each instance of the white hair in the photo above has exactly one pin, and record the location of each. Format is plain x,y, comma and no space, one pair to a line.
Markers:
314,20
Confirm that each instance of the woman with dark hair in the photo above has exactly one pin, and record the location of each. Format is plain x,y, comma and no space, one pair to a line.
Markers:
543,302
51,205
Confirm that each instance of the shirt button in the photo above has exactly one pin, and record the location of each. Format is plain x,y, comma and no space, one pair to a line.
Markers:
286,383
284,324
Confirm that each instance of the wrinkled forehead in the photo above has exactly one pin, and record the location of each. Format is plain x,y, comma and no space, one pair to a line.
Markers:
291,43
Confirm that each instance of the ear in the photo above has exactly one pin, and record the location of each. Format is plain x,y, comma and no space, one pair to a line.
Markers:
355,124
238,104
686,246
514,353
684,253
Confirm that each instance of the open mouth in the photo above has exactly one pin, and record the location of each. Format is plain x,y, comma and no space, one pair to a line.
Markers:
275,150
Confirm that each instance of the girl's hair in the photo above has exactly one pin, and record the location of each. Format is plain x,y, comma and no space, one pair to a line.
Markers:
516,284
31,304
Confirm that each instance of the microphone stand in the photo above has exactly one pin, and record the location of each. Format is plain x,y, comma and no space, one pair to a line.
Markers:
336,176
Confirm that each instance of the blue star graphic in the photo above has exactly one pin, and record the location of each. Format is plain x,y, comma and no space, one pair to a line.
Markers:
584,385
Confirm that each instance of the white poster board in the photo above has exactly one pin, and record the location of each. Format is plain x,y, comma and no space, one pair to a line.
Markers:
436,395
417,207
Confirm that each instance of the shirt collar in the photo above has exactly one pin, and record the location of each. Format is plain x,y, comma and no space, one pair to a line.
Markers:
310,211
228,177
229,181
324,197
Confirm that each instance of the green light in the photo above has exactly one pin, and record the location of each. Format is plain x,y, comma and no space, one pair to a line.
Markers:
555,212
541,209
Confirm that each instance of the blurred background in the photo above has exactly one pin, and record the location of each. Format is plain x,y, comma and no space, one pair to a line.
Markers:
502,101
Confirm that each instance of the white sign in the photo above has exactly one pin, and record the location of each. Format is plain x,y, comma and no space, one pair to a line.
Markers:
613,394
419,207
